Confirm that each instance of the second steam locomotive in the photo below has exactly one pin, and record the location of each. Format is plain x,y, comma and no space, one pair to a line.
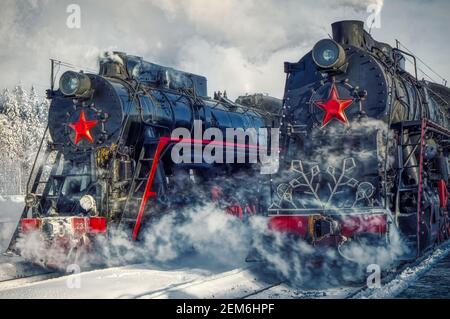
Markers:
366,153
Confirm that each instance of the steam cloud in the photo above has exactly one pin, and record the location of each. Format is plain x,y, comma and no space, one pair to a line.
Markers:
239,45
209,238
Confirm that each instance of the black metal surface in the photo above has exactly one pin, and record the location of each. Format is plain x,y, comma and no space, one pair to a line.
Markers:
384,97
133,104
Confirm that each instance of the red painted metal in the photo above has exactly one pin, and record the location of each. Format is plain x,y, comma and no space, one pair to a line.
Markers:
97,225
251,210
297,225
350,225
82,128
334,107
443,194
358,224
163,142
80,225
216,193
30,224
235,210
239,211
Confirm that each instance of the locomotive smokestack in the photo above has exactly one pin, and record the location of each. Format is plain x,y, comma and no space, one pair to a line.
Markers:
349,32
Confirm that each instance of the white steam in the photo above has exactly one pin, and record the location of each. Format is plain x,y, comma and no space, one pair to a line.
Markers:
239,45
207,237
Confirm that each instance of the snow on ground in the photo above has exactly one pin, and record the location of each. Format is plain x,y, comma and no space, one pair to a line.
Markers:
285,291
236,283
147,281
187,279
10,211
407,277
120,282
133,281
434,284
191,280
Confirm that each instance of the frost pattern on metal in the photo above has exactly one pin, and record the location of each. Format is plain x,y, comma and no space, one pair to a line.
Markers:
308,183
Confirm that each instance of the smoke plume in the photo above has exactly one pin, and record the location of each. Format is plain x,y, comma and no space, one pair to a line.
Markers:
239,45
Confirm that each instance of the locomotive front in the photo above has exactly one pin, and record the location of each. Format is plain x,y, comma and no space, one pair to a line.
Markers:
348,176
107,153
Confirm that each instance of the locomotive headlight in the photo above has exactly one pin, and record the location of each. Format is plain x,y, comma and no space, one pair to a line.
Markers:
74,84
328,54
87,202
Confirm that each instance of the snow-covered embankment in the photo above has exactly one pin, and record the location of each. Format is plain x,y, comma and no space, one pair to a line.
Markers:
10,210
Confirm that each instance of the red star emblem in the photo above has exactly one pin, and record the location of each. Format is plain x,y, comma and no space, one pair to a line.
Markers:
82,127
334,107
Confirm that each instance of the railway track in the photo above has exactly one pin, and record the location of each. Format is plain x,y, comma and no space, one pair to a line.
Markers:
248,282
23,280
395,282
15,267
243,283
15,271
240,279
392,282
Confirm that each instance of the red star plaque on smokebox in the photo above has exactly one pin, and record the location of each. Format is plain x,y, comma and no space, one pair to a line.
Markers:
334,107
82,127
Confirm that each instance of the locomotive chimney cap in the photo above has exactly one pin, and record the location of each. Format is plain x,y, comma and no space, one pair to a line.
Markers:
349,32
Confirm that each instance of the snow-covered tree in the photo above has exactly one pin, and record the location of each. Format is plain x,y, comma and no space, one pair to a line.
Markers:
23,119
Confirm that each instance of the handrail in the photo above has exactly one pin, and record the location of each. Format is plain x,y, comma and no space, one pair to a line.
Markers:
412,56
36,158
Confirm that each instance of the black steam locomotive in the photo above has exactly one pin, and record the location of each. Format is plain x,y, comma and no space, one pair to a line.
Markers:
365,147
106,160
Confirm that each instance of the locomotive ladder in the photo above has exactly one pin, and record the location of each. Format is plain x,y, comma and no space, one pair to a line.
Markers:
143,184
405,152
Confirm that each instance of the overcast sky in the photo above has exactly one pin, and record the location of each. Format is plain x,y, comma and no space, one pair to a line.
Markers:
240,45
